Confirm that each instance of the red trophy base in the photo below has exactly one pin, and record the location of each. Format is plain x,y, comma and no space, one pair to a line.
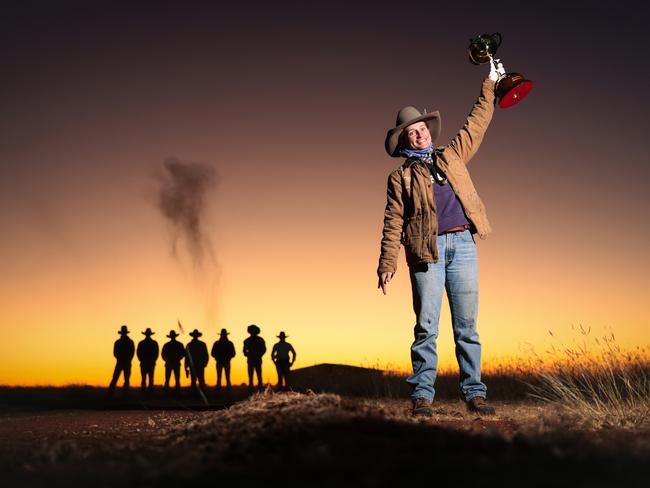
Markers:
512,89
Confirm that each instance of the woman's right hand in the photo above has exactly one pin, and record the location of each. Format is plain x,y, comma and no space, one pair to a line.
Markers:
384,279
496,69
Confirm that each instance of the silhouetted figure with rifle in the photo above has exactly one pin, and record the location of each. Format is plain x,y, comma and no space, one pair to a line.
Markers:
196,359
223,351
254,349
173,353
147,353
123,351
280,356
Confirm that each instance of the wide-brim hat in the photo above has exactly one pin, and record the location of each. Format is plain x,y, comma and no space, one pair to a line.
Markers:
172,334
282,335
405,117
253,329
123,330
195,333
224,332
148,332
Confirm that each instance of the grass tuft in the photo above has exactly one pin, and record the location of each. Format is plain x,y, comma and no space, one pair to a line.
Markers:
596,381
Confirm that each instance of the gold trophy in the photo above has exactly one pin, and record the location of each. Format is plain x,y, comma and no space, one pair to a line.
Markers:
511,88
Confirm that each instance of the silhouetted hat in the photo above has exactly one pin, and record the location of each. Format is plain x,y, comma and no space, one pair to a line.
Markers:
282,335
123,330
224,332
253,329
195,333
172,334
148,332
406,117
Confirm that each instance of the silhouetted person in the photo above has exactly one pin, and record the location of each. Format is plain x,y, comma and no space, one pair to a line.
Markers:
196,359
280,356
254,349
223,351
173,353
147,354
123,350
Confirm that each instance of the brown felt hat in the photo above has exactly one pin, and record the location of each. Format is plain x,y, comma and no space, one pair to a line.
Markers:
406,117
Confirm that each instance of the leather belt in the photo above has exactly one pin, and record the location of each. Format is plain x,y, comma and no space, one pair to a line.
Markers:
458,228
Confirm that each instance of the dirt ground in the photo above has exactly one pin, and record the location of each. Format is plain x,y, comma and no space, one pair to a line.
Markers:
316,440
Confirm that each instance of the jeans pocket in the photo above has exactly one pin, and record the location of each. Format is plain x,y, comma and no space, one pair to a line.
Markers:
466,236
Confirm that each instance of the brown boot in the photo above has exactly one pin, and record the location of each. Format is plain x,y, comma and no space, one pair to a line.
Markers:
421,407
480,406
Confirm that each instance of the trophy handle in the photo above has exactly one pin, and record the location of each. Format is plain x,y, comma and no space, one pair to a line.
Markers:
499,36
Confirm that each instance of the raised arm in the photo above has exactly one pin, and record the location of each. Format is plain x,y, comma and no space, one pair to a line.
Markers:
468,140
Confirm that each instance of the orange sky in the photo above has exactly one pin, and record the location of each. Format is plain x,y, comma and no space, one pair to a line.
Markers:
295,129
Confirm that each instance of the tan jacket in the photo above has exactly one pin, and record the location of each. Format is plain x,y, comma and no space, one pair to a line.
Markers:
410,217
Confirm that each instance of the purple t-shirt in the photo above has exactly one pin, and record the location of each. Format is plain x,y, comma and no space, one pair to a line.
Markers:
450,210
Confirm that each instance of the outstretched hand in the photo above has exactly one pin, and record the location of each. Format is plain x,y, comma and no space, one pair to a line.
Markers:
496,69
384,279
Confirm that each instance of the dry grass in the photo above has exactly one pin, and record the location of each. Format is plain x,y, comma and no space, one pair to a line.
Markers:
596,381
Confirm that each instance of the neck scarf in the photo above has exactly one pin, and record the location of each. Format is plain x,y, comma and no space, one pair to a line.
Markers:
426,156
417,153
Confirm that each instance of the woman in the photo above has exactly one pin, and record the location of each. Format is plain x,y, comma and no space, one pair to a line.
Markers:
433,210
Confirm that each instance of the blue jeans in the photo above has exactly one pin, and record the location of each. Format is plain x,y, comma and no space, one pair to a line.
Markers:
456,272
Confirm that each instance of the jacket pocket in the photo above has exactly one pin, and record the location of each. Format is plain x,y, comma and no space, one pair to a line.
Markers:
413,237
412,229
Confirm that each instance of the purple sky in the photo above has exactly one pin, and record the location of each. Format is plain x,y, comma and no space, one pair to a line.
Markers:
291,101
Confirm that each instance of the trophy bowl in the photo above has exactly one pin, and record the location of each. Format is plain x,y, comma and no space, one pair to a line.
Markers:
510,88
483,48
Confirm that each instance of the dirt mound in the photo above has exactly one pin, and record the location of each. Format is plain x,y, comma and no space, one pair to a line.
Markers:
307,440
326,440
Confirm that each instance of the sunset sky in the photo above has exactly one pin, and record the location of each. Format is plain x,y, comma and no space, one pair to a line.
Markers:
290,103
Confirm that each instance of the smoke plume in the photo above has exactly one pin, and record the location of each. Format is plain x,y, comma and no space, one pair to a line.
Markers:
181,199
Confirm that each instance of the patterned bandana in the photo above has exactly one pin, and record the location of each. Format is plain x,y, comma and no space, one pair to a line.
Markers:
425,155
417,153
